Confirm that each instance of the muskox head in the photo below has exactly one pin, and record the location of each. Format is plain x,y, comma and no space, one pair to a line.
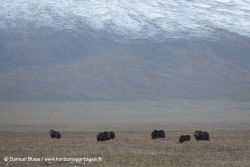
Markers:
112,135
54,134
197,134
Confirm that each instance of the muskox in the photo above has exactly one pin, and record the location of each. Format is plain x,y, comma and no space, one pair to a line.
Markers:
184,137
201,135
102,136
158,134
105,135
112,135
54,134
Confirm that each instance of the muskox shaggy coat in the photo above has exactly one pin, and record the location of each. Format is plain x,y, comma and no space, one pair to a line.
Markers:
201,135
112,135
54,134
184,137
102,136
158,134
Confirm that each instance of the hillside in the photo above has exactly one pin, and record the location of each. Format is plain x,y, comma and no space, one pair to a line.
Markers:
122,50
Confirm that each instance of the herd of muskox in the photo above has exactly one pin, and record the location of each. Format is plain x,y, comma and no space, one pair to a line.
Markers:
107,135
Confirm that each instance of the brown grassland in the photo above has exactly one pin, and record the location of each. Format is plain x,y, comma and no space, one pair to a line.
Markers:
24,132
227,147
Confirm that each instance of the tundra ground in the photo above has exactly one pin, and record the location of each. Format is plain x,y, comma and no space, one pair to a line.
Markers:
133,146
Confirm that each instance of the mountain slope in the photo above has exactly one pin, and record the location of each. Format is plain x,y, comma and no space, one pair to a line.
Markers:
124,50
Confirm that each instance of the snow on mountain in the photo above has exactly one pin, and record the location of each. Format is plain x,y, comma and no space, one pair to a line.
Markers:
154,19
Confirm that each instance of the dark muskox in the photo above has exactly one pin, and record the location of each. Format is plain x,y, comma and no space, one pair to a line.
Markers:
54,134
184,137
102,136
112,135
158,134
201,135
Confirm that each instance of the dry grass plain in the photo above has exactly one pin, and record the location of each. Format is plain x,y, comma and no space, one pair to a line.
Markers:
24,132
227,147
